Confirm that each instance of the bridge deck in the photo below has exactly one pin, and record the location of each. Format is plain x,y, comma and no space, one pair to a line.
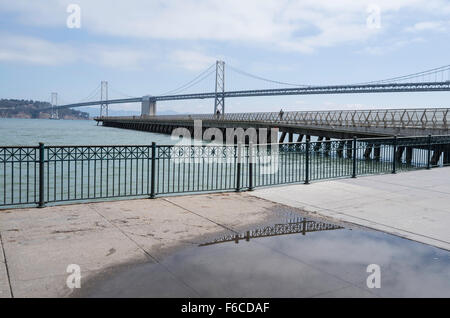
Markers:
437,86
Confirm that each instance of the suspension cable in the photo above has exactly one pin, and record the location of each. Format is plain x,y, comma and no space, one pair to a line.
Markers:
264,79
119,92
409,76
191,81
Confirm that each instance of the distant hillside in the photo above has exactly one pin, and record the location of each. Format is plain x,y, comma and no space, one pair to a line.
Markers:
16,108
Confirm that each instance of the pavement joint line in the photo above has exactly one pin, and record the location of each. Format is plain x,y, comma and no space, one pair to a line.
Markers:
6,266
199,215
145,251
123,232
367,226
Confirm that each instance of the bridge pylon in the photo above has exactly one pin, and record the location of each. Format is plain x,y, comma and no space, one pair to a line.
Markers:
219,100
104,99
54,111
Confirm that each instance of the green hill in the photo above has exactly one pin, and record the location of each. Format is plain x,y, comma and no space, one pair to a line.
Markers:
16,108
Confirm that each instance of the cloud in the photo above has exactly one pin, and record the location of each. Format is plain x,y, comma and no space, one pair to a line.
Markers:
192,60
32,50
118,57
299,26
436,26
390,46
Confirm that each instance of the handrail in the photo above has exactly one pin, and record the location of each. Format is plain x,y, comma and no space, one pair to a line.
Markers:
419,118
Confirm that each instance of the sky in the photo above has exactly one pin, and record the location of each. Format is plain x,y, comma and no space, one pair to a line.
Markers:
152,47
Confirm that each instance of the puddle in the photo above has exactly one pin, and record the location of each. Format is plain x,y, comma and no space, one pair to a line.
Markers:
298,257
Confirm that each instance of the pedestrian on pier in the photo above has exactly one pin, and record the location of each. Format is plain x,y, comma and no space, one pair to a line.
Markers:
281,114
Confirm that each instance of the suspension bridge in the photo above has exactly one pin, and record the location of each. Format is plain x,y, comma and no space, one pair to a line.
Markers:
437,79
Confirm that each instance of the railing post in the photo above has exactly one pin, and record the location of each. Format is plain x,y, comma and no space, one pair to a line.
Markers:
41,175
153,176
238,168
429,153
308,145
250,167
354,153
394,156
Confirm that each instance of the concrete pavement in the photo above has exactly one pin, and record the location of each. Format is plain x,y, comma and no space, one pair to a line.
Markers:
413,205
39,244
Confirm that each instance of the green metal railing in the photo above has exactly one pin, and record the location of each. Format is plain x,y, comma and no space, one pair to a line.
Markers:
50,174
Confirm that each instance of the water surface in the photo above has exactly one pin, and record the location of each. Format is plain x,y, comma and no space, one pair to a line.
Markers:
282,260
29,132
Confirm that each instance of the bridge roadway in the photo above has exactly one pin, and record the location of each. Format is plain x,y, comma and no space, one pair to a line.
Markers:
305,90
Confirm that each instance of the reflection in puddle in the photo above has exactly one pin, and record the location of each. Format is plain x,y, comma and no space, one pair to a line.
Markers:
293,226
298,258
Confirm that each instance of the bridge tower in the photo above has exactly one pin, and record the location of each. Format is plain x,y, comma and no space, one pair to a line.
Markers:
104,99
219,101
54,112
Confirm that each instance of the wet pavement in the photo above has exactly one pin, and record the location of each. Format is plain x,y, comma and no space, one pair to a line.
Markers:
295,257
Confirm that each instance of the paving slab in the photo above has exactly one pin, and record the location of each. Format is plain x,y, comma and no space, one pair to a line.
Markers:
414,204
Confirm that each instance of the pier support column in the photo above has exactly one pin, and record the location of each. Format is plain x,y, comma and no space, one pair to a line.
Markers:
148,107
283,136
300,138
399,154
436,156
318,143
340,149
272,135
291,137
349,149
377,152
327,146
409,155
368,151
446,155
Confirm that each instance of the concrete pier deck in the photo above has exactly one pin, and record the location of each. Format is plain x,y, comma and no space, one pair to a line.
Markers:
413,205
37,245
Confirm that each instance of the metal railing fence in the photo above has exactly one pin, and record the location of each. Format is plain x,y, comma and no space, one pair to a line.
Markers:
50,174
